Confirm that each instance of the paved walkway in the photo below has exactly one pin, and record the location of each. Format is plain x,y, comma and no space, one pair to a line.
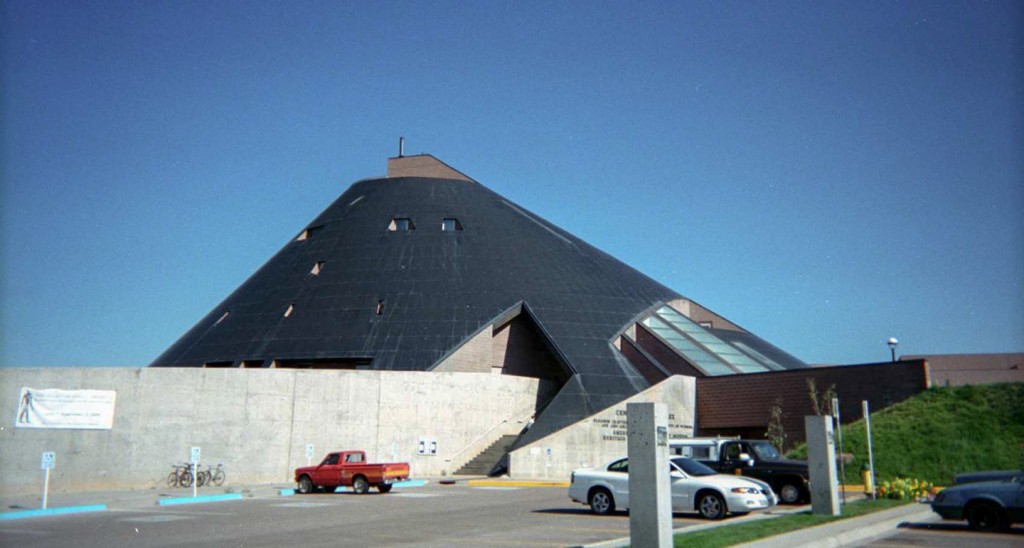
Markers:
852,531
846,532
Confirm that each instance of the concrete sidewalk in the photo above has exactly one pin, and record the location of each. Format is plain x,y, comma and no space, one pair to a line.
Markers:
850,532
846,532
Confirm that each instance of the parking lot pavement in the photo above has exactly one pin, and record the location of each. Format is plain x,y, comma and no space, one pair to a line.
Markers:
127,499
430,515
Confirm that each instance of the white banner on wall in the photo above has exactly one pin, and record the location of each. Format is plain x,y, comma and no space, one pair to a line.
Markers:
54,408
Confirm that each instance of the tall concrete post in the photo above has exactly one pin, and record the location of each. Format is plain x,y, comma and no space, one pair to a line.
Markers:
821,461
650,497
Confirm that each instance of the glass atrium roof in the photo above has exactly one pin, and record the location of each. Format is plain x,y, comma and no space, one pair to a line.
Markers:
702,348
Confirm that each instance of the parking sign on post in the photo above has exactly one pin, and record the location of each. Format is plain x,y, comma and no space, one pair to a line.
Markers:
48,461
194,459
309,454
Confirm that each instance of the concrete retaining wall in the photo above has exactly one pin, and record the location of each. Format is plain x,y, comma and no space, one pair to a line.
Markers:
257,422
602,437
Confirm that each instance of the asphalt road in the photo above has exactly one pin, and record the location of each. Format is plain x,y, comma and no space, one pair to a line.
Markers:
432,515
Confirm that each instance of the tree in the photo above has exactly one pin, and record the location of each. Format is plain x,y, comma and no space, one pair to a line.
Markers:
776,434
821,404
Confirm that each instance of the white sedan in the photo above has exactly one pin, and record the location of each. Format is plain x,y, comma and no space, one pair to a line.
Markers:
695,488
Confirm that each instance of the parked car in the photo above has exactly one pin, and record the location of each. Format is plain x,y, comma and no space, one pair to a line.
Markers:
990,475
695,488
349,468
986,505
752,458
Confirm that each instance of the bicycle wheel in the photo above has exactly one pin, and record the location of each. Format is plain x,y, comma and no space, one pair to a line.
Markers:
186,479
200,479
172,479
219,477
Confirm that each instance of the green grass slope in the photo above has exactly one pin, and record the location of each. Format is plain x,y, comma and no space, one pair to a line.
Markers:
940,433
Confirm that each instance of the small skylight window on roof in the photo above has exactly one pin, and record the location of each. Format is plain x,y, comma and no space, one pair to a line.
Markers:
317,267
290,310
308,233
450,225
380,307
401,224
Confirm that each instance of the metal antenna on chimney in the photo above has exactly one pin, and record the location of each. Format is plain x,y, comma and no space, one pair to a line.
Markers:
401,146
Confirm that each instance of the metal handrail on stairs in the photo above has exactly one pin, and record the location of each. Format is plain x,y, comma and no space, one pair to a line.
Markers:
475,443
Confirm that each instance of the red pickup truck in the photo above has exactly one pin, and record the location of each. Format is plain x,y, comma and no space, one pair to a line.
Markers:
349,468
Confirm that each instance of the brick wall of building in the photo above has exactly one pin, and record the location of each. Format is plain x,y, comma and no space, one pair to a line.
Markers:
739,404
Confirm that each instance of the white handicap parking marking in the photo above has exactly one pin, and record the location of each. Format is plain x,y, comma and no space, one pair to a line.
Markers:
304,505
157,519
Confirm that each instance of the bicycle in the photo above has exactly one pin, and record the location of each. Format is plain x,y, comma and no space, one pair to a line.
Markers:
212,475
181,476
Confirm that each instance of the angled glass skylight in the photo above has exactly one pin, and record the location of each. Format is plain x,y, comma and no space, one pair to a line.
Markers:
725,351
698,357
759,356
702,348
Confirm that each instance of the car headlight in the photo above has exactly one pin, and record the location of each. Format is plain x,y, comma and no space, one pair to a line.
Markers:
746,490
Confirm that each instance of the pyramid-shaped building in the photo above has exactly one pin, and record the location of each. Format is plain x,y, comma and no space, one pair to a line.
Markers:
427,269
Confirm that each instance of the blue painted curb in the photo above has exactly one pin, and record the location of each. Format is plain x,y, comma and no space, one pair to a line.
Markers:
411,483
406,483
286,492
52,511
196,500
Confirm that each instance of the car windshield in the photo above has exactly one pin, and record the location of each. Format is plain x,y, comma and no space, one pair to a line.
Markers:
692,467
765,451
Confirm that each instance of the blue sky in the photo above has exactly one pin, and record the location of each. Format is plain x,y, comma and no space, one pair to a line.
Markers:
826,175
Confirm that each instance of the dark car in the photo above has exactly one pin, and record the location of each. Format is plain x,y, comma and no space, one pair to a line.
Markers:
990,475
986,505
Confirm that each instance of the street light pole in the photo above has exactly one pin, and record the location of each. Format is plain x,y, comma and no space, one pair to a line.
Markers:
892,347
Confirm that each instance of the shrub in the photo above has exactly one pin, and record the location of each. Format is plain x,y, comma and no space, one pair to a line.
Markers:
904,488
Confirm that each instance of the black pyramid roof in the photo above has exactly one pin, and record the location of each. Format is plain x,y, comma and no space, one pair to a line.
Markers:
405,299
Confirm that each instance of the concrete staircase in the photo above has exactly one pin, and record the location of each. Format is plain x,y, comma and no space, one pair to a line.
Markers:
489,459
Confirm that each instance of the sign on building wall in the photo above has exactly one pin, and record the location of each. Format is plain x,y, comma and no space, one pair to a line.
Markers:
55,408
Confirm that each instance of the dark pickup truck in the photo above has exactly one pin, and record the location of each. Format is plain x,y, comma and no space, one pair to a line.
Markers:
754,458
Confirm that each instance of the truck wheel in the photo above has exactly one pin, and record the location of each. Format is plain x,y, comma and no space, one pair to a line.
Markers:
384,488
986,516
711,506
305,485
601,502
360,486
789,493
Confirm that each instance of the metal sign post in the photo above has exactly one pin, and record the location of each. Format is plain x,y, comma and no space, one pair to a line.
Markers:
49,458
194,459
871,454
842,463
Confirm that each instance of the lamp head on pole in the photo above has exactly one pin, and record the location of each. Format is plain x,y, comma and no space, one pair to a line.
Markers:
892,346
